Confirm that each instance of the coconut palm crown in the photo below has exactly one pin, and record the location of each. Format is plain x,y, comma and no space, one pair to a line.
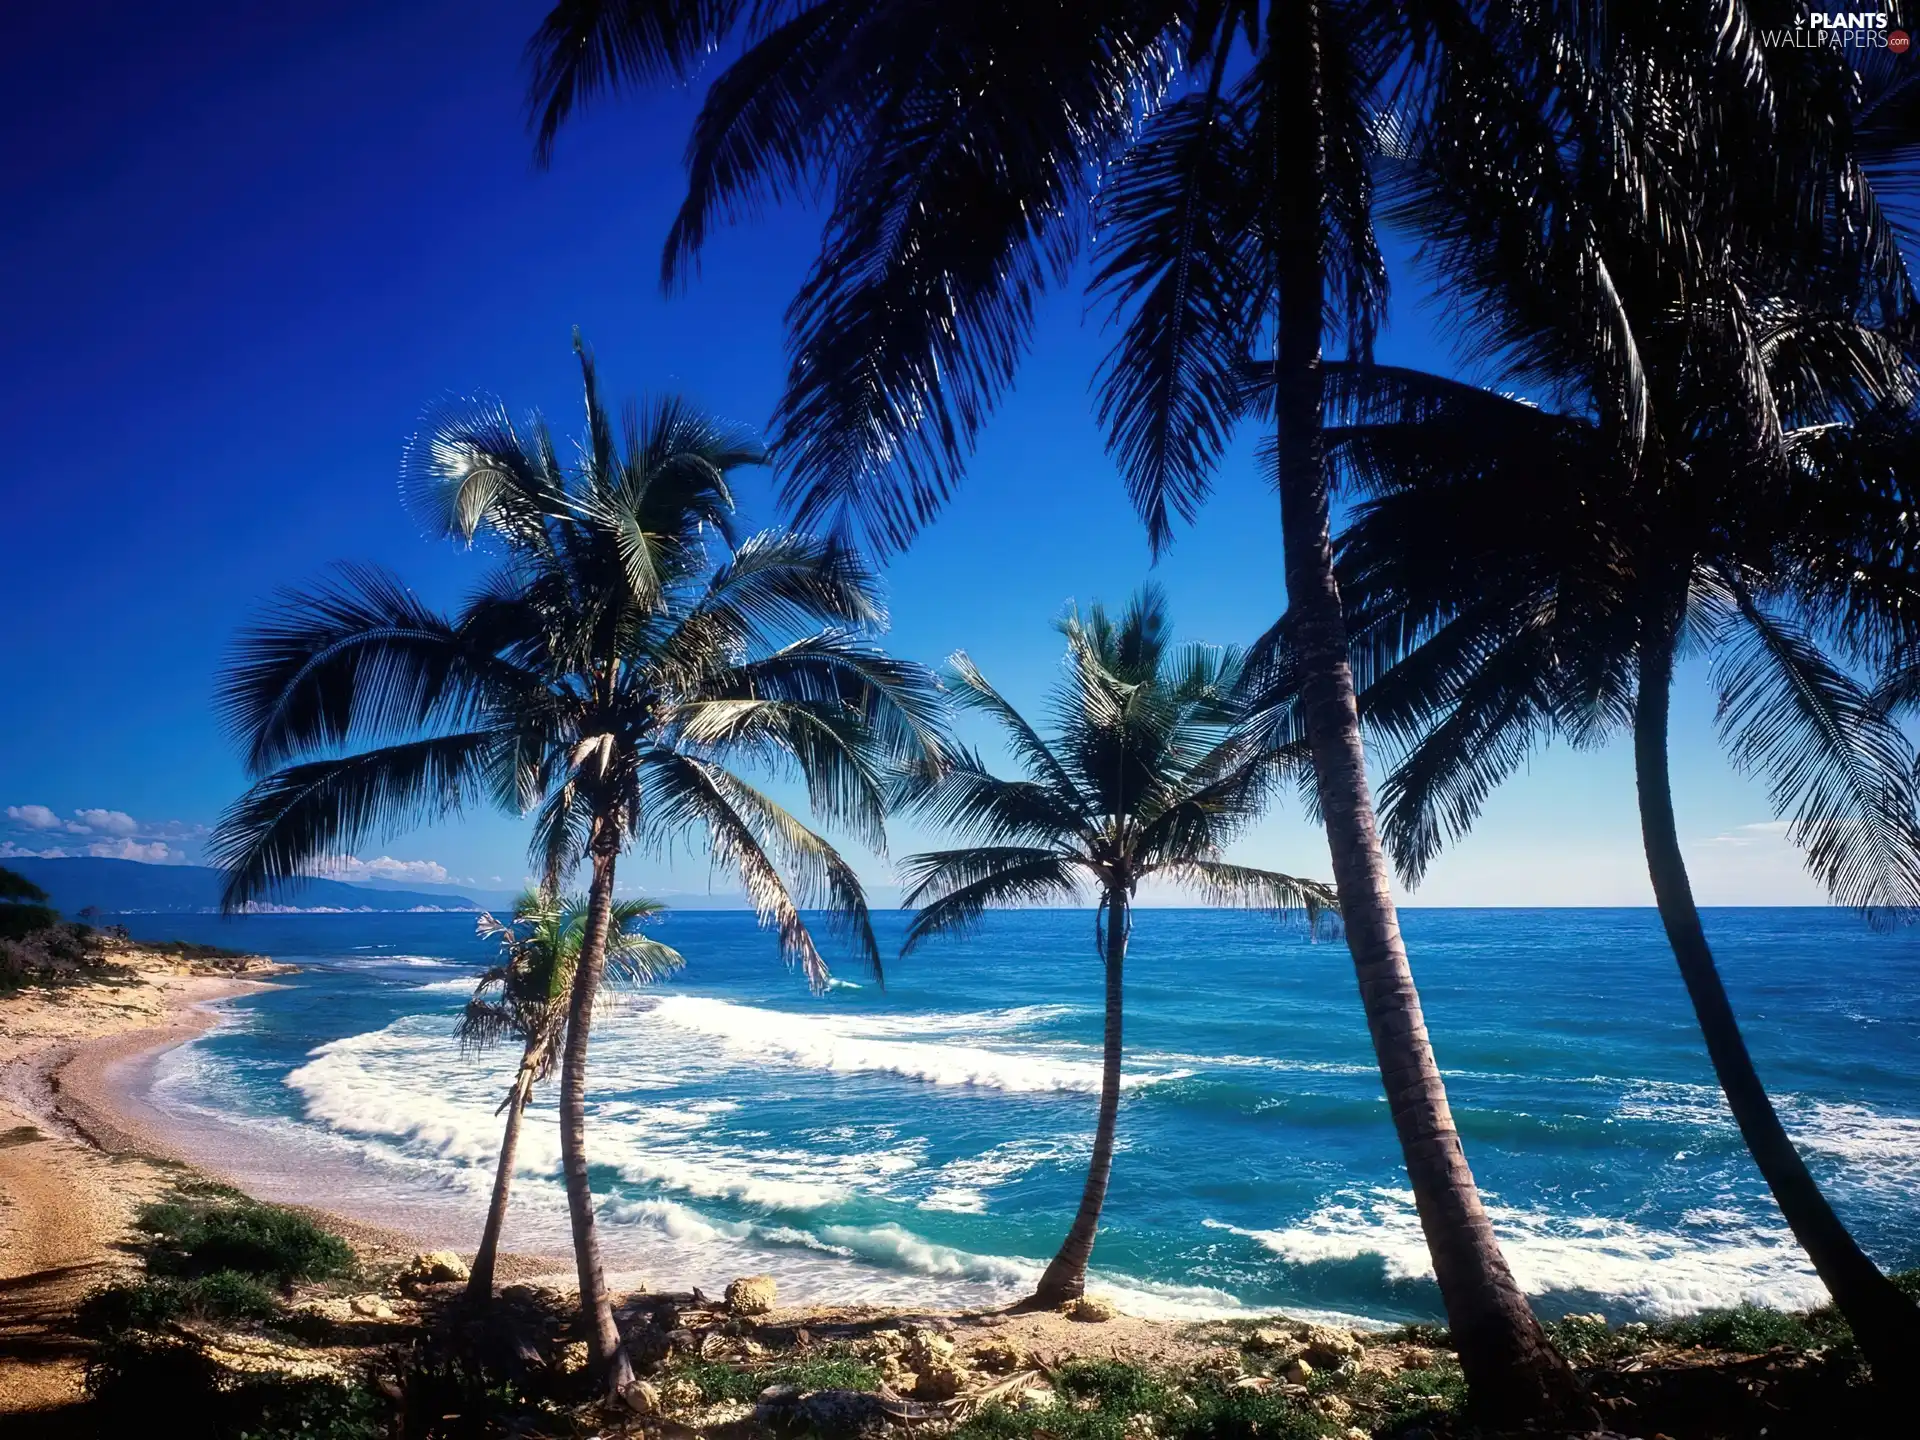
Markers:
1146,777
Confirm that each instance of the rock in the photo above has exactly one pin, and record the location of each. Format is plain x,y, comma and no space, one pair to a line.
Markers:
1333,1407
1090,1309
1298,1371
1138,1427
938,1373
1269,1339
1415,1358
1593,1319
330,1308
1259,1384
1039,1397
776,1400
1330,1347
684,1341
642,1397
750,1295
572,1358
371,1307
434,1267
1000,1357
842,1412
679,1393
1354,1432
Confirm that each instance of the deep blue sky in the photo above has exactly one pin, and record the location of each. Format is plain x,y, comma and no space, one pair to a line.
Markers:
242,246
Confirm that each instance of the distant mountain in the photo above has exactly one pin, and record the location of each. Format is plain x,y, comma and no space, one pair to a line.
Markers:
125,886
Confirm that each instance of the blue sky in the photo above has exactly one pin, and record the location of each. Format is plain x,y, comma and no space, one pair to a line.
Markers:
241,248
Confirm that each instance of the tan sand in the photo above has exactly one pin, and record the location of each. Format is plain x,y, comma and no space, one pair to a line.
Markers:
72,1175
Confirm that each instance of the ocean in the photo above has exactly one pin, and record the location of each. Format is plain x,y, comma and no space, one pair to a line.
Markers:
925,1142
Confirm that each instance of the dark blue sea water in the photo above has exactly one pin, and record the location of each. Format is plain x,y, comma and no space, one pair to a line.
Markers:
926,1141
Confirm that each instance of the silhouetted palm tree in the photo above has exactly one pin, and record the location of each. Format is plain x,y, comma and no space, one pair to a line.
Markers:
1723,463
966,152
1145,777
625,656
524,998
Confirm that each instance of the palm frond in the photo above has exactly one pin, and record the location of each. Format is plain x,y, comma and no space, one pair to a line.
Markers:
954,888
1837,766
302,815
1221,883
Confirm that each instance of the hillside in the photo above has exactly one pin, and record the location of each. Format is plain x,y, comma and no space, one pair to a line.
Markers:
123,886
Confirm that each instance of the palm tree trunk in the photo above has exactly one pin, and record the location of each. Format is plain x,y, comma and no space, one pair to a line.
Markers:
1066,1278
1512,1370
607,1354
480,1281
1884,1320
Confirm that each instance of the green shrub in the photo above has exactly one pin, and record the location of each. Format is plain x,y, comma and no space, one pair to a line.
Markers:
1745,1330
200,1235
19,921
156,1301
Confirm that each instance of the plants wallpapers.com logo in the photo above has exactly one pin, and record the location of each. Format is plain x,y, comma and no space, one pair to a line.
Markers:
1841,30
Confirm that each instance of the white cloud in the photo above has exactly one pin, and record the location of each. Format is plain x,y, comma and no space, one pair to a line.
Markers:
34,817
11,851
154,852
348,867
107,822
1741,837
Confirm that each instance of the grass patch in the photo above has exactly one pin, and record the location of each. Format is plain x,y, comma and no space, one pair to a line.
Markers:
206,1230
1106,1400
720,1381
157,1301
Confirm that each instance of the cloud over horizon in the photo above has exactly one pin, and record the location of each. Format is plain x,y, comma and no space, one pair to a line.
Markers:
116,835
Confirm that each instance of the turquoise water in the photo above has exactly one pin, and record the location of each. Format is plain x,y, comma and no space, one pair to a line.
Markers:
926,1141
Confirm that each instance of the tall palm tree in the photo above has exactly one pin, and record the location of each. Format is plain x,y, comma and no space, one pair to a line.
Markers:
1146,777
967,152
628,653
1720,463
524,998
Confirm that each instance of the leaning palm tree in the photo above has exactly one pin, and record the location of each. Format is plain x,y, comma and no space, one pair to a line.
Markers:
1146,778
967,153
1730,474
524,998
628,653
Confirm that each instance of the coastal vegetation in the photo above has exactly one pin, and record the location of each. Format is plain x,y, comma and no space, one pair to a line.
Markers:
1151,771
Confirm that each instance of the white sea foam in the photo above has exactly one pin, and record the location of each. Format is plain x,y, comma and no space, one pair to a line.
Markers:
462,985
1637,1270
960,1186
1879,1153
862,1044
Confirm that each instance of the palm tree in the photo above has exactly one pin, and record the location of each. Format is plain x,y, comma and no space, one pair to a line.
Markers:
966,152
625,657
1145,778
524,998
1731,474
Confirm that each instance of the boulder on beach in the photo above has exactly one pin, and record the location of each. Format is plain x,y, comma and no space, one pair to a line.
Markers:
434,1267
1090,1309
751,1295
939,1373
